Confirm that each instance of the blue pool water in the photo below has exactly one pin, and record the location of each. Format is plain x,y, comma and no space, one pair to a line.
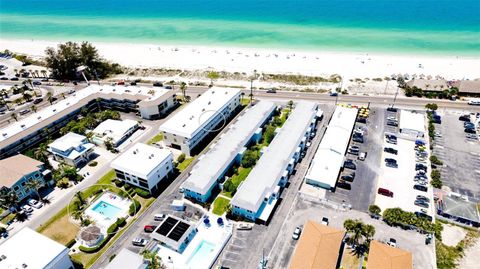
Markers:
106,209
201,257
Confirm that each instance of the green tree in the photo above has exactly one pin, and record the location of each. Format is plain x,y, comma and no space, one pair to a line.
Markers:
34,185
374,210
14,116
431,106
34,108
50,97
109,144
290,104
27,96
183,88
154,261
181,158
8,198
249,158
212,75
269,134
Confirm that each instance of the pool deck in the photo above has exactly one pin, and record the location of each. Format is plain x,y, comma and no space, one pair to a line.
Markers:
112,199
214,233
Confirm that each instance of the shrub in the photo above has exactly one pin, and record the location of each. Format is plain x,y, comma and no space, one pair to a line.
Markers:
374,209
134,208
434,159
93,164
113,228
142,193
71,243
121,222
119,183
181,158
2,230
128,187
249,158
63,183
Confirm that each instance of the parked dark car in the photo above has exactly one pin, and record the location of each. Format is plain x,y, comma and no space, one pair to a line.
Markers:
391,109
468,125
420,166
470,131
423,198
391,150
421,204
344,185
36,83
464,118
14,79
390,160
3,78
38,100
385,192
133,83
349,164
158,84
348,178
420,187
392,123
271,91
168,87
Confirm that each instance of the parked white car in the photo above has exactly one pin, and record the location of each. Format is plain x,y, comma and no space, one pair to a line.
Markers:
27,209
296,233
36,204
244,226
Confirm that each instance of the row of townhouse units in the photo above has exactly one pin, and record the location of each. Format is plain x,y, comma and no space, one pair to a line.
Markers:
258,195
228,150
29,131
202,118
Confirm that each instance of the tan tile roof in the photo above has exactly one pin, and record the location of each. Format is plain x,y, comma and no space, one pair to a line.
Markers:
15,167
468,86
383,256
318,247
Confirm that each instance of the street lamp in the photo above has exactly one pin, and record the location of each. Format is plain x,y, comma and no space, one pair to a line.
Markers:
254,76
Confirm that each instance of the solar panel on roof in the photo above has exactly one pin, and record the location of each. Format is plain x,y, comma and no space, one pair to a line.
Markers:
178,231
167,226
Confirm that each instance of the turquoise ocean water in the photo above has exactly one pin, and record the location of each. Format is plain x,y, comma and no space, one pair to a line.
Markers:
450,27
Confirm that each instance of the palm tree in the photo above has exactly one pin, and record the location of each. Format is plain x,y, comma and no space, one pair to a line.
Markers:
50,97
44,73
14,116
41,153
33,108
63,95
153,260
8,198
16,71
79,196
213,76
34,185
27,96
374,210
183,88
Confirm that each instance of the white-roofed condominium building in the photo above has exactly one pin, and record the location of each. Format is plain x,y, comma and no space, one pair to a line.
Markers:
205,115
72,149
151,103
31,250
258,195
117,131
144,166
328,160
214,164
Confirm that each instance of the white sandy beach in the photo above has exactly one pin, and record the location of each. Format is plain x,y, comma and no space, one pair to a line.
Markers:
348,65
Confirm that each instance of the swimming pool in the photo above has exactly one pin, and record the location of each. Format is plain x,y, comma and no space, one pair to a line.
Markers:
106,209
202,255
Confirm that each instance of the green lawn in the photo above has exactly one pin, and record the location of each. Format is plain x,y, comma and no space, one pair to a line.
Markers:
238,178
245,101
220,205
183,165
155,139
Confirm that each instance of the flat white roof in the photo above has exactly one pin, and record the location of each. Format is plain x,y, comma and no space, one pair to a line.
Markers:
328,158
140,160
126,259
221,154
266,174
16,127
188,121
30,248
116,129
68,141
412,121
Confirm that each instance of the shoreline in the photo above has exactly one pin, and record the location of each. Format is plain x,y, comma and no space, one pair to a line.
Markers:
275,60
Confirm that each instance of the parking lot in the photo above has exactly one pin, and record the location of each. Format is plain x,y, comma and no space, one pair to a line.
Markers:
362,194
281,253
460,156
400,176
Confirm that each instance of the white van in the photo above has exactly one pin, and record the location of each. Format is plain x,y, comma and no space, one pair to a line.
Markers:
474,102
362,156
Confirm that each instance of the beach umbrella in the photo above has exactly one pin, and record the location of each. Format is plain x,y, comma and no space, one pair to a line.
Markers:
220,221
206,221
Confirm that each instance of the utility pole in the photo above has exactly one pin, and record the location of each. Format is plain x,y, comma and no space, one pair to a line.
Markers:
251,85
395,98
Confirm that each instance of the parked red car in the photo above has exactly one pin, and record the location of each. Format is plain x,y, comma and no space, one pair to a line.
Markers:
149,228
385,192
